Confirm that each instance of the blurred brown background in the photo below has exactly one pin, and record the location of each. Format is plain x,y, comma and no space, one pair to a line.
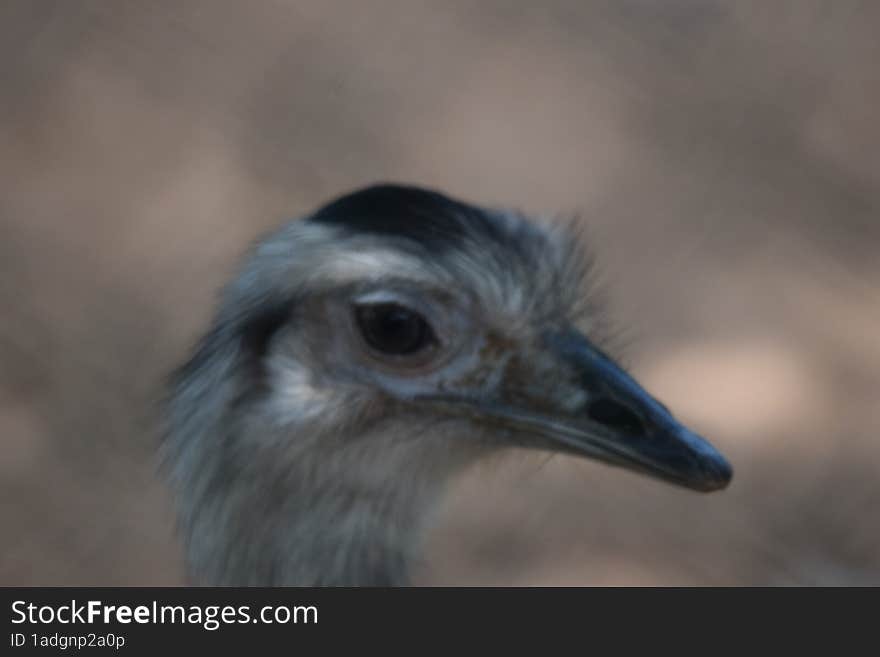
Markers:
725,154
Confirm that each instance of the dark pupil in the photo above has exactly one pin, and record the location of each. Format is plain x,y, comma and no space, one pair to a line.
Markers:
393,329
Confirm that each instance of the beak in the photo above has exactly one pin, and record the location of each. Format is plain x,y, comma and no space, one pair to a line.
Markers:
619,423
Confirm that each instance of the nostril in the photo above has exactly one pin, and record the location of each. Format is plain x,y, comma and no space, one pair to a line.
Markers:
615,415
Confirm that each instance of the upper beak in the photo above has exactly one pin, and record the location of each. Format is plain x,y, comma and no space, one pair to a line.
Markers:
619,423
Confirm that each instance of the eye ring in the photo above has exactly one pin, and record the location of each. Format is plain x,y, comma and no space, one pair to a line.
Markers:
392,329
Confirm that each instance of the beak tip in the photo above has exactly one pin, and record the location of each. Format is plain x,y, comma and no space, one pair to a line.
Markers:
717,474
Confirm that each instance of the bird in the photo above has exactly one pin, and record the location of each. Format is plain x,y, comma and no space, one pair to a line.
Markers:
364,355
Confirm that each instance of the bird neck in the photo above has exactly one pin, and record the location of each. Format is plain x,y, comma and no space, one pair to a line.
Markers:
327,512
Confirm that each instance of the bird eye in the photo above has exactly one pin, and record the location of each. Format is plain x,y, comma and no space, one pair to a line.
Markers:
393,329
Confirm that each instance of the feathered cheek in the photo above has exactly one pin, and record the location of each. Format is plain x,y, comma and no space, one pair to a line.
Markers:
298,400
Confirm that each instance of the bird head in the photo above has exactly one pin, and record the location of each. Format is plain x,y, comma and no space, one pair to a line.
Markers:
363,355
400,311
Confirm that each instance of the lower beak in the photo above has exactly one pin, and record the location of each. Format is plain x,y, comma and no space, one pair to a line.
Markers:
672,453
620,423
